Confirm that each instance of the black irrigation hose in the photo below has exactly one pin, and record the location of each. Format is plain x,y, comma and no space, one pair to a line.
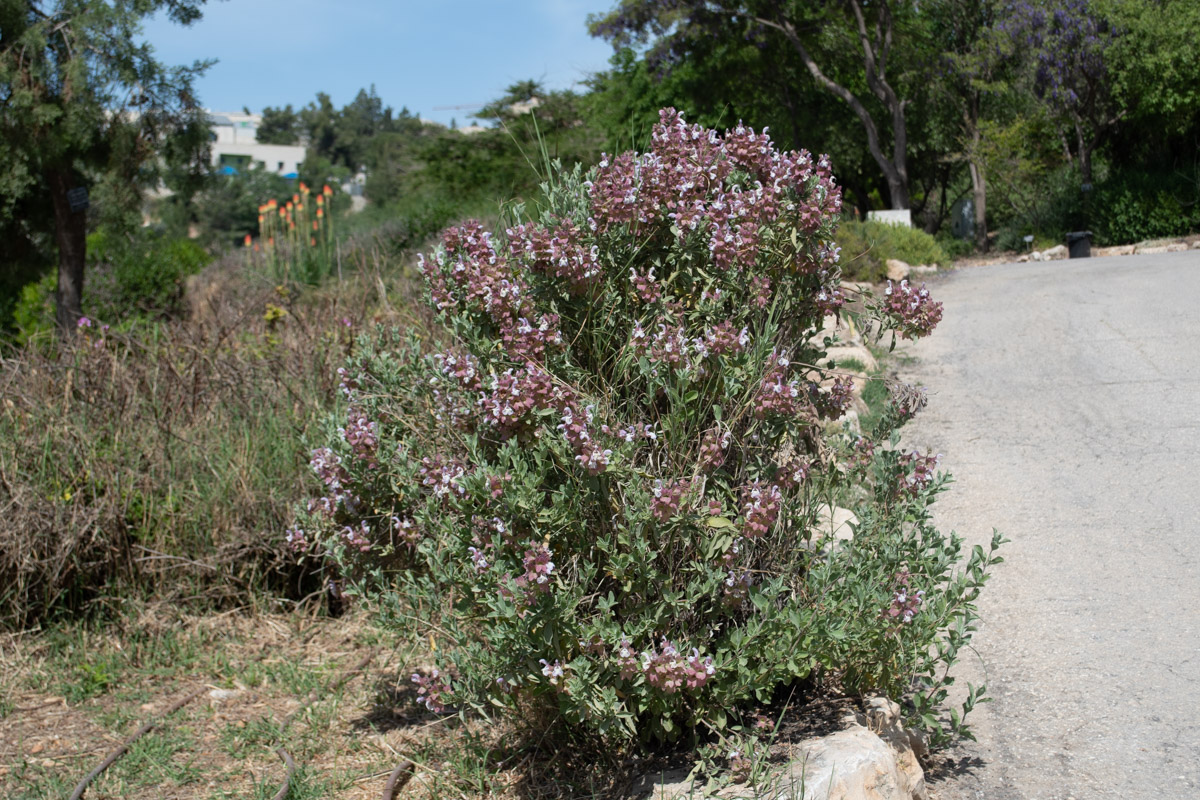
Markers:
399,777
139,733
287,779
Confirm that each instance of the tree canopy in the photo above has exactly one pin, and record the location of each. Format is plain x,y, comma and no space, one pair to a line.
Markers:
81,96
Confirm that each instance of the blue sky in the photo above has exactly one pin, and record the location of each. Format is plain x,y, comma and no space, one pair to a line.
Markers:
418,54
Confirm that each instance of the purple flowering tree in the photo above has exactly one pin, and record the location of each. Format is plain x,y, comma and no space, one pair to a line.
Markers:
1067,43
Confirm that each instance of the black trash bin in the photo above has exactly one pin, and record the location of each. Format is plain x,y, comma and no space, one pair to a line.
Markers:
1079,244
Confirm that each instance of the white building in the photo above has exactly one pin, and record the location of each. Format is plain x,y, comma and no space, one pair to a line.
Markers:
235,147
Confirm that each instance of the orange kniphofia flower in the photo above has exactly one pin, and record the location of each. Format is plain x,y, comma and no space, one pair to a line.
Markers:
326,190
260,219
272,202
247,240
271,242
312,242
291,226
320,199
295,198
256,247
320,212
282,213
303,188
314,225
300,207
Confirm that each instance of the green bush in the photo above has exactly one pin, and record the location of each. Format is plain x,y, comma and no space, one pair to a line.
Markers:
1133,207
867,246
33,312
138,275
601,486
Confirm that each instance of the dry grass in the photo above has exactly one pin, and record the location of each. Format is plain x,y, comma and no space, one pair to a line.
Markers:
166,462
73,694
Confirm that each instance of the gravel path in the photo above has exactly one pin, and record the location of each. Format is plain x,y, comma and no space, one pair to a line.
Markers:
1065,397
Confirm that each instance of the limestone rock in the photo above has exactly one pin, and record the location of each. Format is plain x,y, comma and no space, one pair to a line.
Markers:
923,269
1023,258
1177,247
835,523
1055,253
1150,249
872,759
897,270
1117,250
1196,245
1036,255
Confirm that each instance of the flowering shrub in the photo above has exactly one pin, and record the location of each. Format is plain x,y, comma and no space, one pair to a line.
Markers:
611,465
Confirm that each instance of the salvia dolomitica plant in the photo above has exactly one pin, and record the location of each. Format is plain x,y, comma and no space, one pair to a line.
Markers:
605,482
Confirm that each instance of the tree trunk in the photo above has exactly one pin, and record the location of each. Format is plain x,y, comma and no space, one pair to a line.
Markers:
70,233
979,198
895,169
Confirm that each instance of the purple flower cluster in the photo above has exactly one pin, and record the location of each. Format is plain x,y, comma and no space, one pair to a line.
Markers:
329,470
722,338
779,396
347,383
737,588
478,558
760,291
472,277
647,287
713,447
296,539
905,602
793,473
362,435
864,451
538,568
433,690
668,498
515,395
406,530
668,346
591,455
725,189
463,368
667,670
627,660
442,478
918,472
761,504
357,537
555,672
832,402
830,300
915,312
557,252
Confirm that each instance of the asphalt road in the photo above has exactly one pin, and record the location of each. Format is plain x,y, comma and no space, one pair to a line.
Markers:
1065,398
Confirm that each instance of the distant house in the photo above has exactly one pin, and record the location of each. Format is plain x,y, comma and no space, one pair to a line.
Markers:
235,148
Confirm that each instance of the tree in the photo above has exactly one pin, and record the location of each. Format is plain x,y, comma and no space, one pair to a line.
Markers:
821,32
971,74
78,92
279,126
1067,42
